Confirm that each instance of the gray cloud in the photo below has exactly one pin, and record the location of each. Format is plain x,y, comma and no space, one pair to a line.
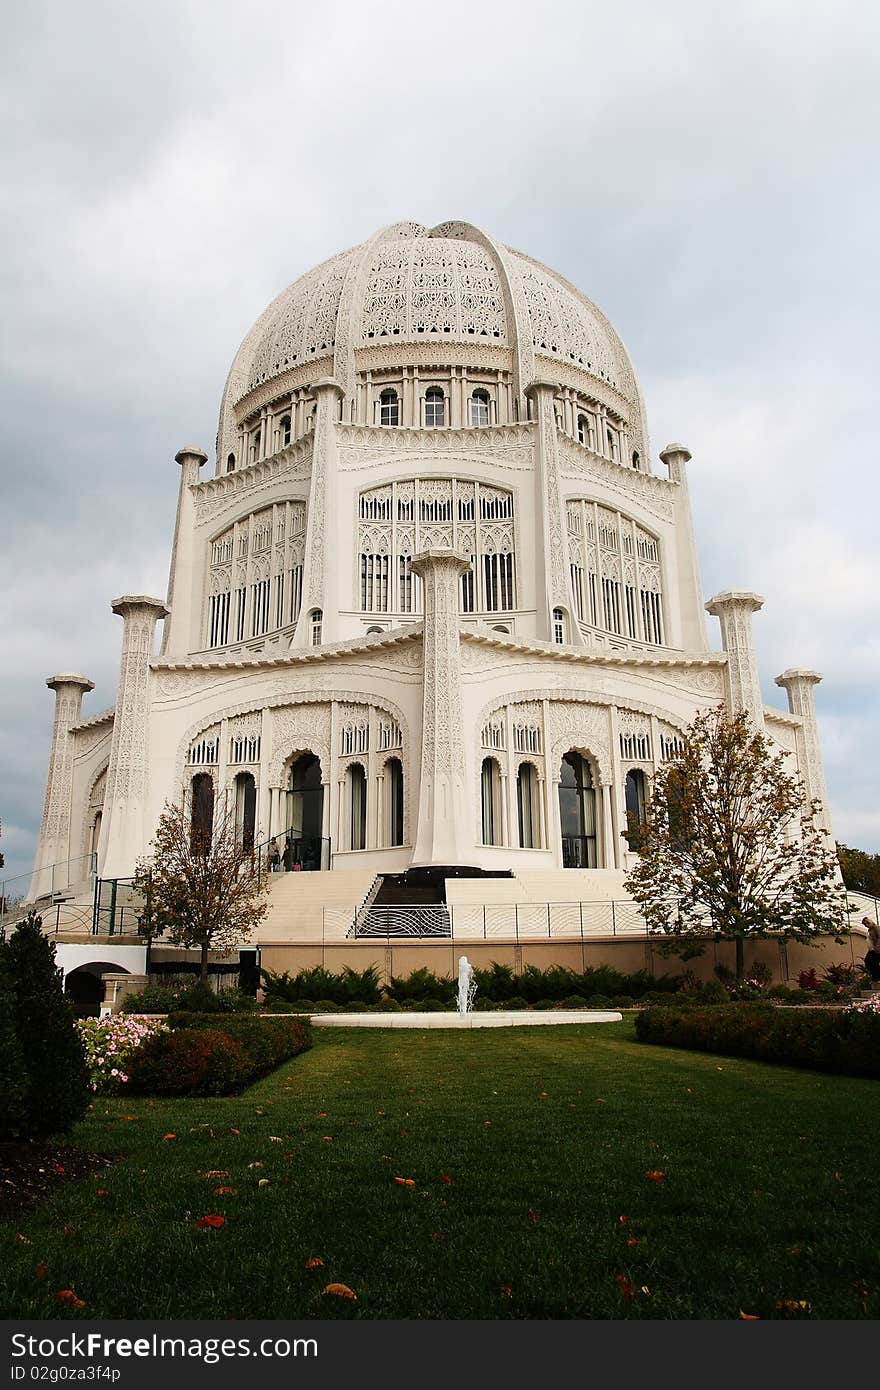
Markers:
699,171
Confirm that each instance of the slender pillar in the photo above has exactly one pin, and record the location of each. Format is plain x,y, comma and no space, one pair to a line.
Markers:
182,634
734,611
692,633
124,832
319,577
51,869
799,686
444,832
552,587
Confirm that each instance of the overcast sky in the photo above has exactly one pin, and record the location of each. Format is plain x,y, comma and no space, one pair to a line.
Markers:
705,172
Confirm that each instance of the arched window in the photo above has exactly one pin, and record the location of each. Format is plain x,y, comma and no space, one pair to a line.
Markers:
527,792
284,429
636,461
490,785
435,407
585,431
389,408
245,810
499,627
577,813
559,626
316,624
636,797
96,833
201,813
230,463
394,801
371,631
255,445
356,778
613,446
480,407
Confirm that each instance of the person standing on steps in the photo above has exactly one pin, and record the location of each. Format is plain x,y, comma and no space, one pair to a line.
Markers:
872,959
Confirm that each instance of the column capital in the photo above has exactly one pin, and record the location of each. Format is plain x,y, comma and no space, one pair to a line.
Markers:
541,385
191,451
798,675
130,603
428,559
732,599
675,456
327,383
68,678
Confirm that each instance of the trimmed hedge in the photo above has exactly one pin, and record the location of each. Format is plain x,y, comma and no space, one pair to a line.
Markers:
837,1040
201,1056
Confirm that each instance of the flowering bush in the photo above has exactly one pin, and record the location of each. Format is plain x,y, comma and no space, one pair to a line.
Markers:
747,989
110,1045
866,1006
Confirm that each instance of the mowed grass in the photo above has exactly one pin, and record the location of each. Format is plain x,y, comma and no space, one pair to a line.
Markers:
767,1195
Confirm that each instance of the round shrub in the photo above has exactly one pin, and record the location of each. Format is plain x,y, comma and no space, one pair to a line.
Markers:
516,1002
154,999
573,1001
599,1001
433,1006
325,1006
388,1006
623,1001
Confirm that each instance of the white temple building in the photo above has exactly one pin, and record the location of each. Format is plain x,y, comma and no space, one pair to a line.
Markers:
431,608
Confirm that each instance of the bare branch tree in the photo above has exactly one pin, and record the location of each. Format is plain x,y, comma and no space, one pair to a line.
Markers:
201,886
730,845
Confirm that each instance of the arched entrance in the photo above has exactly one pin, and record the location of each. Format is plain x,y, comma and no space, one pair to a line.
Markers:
305,814
577,813
84,986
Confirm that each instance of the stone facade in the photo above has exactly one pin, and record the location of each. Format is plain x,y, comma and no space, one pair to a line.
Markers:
432,563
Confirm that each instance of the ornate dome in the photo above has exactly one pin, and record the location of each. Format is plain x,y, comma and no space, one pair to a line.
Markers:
408,284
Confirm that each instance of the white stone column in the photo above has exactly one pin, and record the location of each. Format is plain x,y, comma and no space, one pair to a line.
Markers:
685,623
607,830
51,871
320,572
799,686
184,632
444,832
124,833
551,570
734,611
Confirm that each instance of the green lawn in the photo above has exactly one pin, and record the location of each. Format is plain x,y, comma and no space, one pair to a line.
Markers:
768,1190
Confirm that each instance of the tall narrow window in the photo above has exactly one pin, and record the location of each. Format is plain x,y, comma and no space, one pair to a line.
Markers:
405,584
245,810
467,588
613,446
527,806
316,620
559,626
284,430
635,798
357,791
577,813
585,430
636,461
255,446
230,463
490,786
435,407
201,813
394,800
480,408
389,408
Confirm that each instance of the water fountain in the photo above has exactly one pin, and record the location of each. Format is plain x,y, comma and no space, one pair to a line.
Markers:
466,987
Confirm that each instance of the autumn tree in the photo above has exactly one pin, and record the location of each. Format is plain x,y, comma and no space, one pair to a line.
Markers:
200,886
860,869
729,844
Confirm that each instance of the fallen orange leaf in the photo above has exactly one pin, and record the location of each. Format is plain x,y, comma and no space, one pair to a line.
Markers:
838,1177
322,1115
632,1242
234,1131
406,1182
24,1240
444,1177
41,1270
225,1192
655,1175
57,1168
507,1290
169,1136
212,1222
340,1291
625,1287
533,1216
314,1262
623,1220
749,1317
101,1192
328,1138
69,1297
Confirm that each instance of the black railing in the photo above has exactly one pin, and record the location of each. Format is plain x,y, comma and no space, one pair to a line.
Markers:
578,851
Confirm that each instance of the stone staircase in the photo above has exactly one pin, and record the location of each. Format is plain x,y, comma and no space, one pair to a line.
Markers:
313,906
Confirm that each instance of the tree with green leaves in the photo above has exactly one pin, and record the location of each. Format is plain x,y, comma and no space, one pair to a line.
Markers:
730,846
200,886
860,869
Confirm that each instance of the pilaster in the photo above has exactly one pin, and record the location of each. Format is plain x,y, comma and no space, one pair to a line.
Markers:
799,686
444,832
320,577
734,610
179,637
52,871
123,827
551,570
689,585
